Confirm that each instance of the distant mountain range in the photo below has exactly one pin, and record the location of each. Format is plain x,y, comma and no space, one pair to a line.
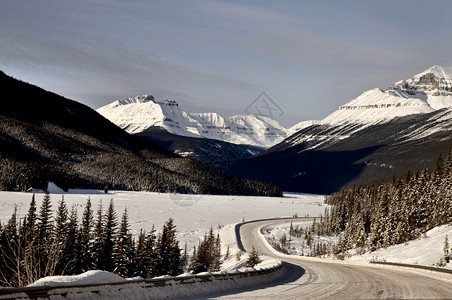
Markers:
141,113
371,138
47,138
198,135
378,135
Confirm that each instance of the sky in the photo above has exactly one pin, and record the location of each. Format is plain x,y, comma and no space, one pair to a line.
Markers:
309,57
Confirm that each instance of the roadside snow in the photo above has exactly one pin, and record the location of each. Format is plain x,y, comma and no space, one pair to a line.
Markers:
90,277
427,250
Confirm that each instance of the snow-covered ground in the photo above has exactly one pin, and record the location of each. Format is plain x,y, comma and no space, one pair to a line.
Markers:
427,250
295,245
193,214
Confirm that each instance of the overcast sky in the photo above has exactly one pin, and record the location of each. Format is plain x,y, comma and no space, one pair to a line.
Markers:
308,56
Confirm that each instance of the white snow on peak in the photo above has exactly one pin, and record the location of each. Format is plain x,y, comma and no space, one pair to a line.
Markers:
301,125
425,92
140,113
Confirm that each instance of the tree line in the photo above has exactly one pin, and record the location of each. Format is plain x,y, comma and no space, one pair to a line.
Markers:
41,245
369,217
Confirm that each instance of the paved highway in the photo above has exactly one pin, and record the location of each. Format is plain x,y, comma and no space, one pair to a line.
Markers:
312,279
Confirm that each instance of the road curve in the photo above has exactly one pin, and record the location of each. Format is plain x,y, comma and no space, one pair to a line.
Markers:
313,279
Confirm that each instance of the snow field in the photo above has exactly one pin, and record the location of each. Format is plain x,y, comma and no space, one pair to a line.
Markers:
193,214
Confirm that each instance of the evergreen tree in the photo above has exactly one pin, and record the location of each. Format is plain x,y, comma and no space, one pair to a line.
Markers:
70,250
254,259
45,236
106,261
168,250
29,227
151,251
208,254
45,226
124,250
61,220
85,252
446,250
141,257
98,237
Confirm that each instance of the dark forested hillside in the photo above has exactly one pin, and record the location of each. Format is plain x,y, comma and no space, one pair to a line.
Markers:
45,137
216,154
323,158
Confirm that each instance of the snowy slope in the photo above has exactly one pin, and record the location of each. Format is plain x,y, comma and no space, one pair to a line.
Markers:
301,125
140,113
423,93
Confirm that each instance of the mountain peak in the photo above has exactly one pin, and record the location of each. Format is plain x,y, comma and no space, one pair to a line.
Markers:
423,93
436,80
440,71
131,100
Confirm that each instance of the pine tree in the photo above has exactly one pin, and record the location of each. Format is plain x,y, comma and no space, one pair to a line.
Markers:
98,237
29,227
45,226
106,261
61,220
70,250
124,248
141,257
254,259
228,253
85,252
151,263
168,250
446,250
216,259
45,236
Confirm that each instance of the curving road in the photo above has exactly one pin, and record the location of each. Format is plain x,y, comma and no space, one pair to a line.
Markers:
313,279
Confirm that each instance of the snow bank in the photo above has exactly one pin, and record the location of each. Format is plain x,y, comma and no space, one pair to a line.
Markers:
69,287
90,277
427,250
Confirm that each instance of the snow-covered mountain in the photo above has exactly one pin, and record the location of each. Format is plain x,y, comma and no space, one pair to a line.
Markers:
379,134
138,114
425,92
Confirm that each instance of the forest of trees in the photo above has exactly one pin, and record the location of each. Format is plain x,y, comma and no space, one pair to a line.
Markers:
41,244
370,217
